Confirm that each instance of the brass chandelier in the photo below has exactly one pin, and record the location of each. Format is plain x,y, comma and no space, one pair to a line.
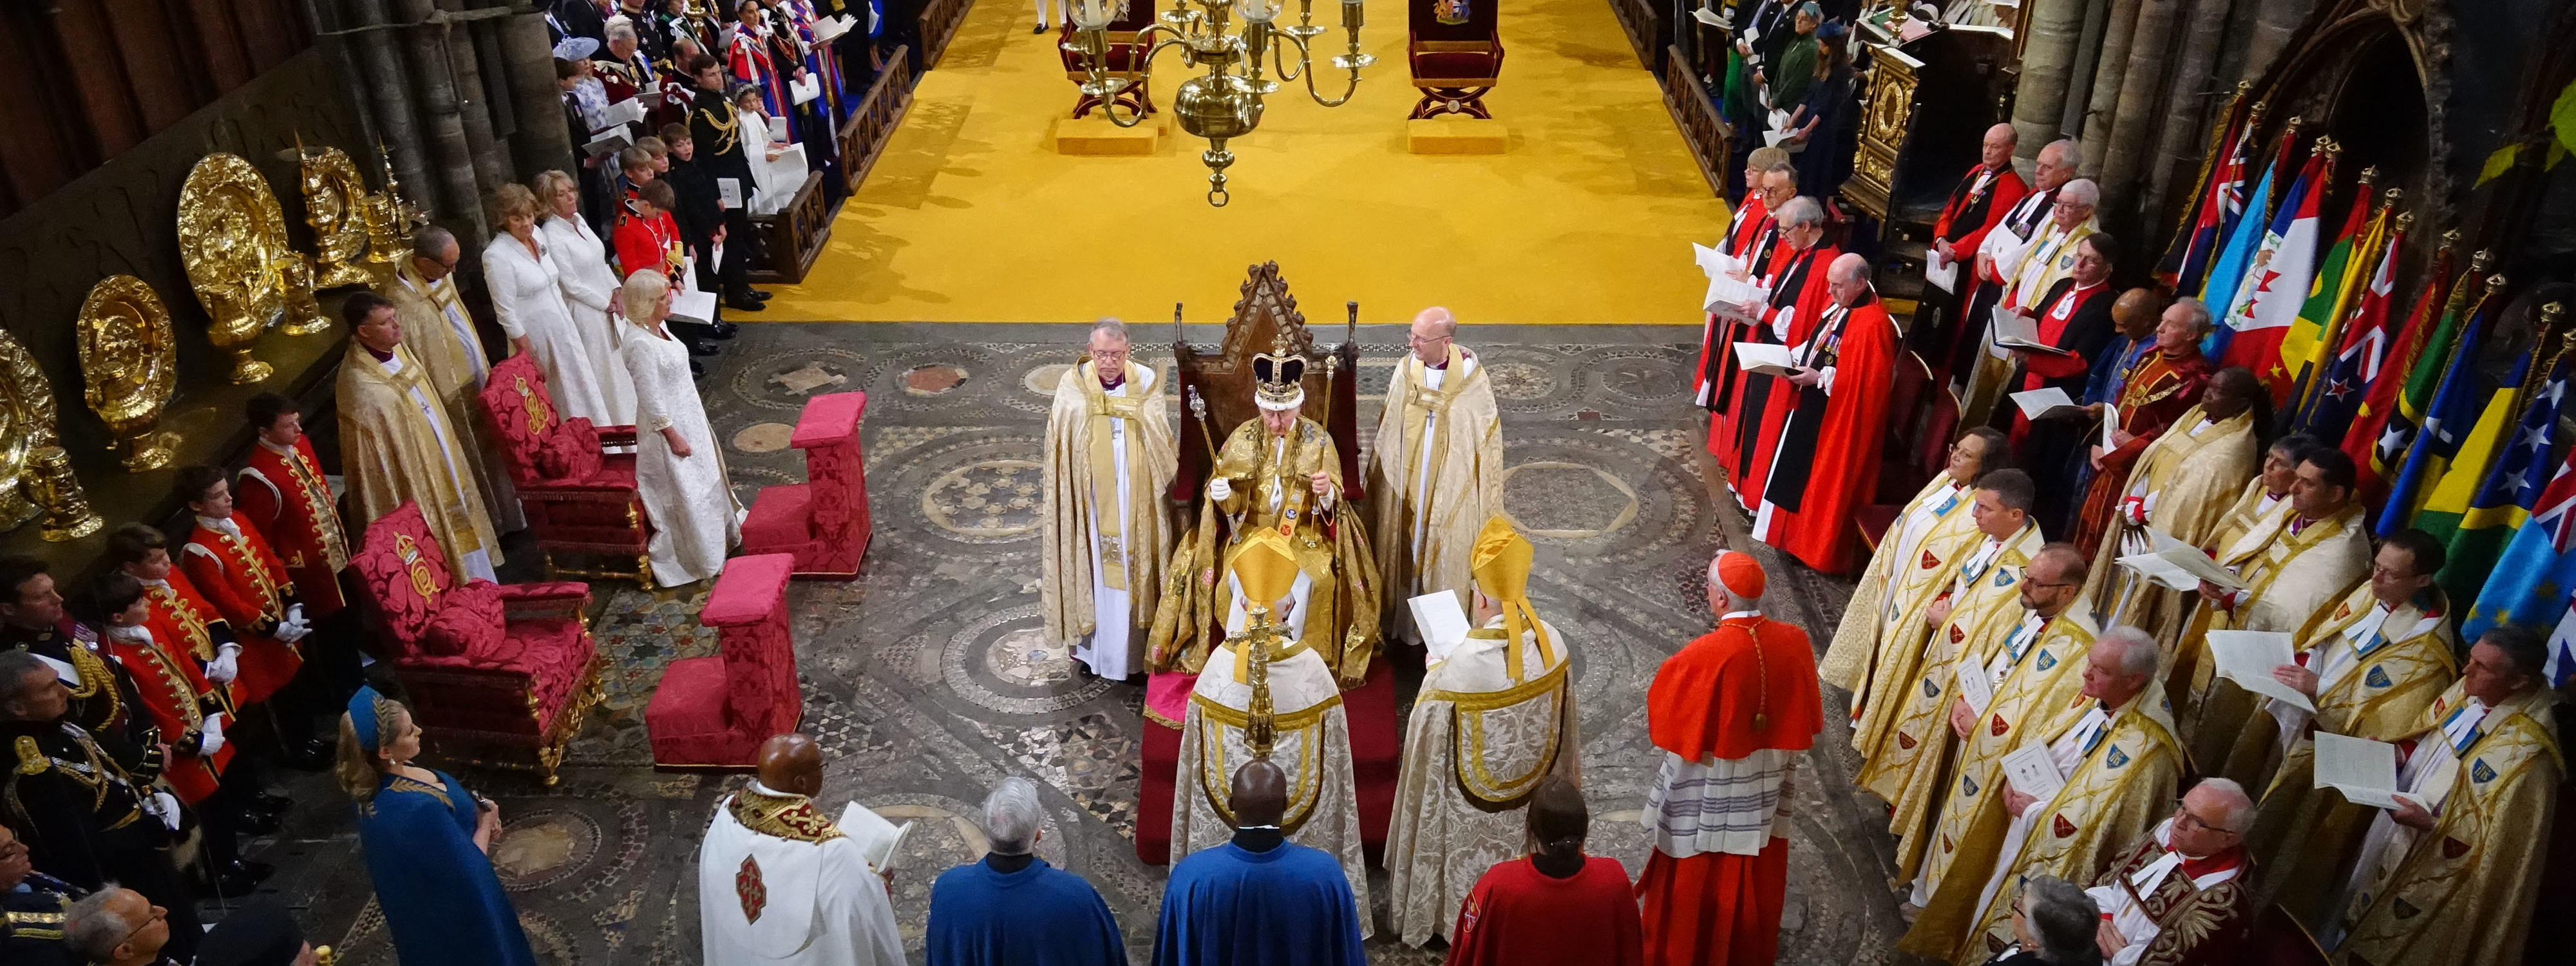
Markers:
1224,103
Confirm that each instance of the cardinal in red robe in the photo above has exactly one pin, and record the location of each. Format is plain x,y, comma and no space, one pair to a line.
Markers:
1835,409
1798,298
1553,907
234,566
1730,712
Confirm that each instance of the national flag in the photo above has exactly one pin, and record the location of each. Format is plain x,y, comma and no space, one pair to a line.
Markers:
2227,272
2504,498
2217,199
2276,281
2360,349
2446,491
2444,427
2531,583
2330,297
2378,438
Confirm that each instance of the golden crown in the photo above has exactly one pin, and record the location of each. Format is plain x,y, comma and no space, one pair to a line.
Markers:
1281,375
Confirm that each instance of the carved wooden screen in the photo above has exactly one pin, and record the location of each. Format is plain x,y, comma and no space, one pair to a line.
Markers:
1223,378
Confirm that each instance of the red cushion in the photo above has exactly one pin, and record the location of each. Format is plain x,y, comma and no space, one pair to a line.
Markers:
468,622
570,451
780,520
750,589
829,418
686,718
1448,64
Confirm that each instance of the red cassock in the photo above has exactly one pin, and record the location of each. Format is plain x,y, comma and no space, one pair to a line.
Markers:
1763,403
1829,442
1975,208
1519,916
1714,908
247,584
178,697
283,495
1716,366
1726,393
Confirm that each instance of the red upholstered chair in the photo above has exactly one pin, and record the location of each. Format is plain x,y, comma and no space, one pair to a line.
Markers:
1456,53
484,664
579,497
822,522
713,712
1122,59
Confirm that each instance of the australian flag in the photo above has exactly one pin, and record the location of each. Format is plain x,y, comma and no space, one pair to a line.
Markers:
2533,581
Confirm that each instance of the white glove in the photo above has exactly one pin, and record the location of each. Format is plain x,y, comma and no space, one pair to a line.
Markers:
226,666
210,737
295,615
163,806
1220,489
290,630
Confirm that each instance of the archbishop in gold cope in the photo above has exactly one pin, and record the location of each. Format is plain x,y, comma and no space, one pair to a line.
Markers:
1106,545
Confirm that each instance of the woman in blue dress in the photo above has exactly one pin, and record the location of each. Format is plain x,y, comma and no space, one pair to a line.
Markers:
426,838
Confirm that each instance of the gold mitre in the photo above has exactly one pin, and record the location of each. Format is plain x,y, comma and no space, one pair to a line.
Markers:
1282,377
1265,565
1500,561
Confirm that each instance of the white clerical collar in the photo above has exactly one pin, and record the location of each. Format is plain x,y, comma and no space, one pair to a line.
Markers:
2205,423
759,789
225,525
1733,614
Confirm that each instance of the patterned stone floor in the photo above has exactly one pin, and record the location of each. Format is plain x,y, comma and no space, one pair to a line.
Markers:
928,679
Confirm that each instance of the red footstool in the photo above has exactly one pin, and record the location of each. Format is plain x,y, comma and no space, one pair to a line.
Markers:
822,522
1376,755
713,712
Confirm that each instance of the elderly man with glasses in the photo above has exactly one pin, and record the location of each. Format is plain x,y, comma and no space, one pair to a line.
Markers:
1437,468
2182,894
1110,454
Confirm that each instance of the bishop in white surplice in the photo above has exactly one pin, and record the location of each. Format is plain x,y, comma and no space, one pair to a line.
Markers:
1110,455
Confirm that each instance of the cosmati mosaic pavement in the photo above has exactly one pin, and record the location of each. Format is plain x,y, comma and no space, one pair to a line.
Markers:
928,679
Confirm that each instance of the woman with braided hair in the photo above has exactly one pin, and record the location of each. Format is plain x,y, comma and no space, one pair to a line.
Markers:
426,837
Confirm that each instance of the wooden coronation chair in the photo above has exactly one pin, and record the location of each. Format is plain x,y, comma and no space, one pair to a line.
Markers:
1125,58
484,664
1456,53
579,498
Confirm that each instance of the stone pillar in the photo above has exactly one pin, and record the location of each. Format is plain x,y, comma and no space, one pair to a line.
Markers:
2039,102
2275,22
2101,107
2185,118
540,141
2138,106
2095,18
460,203
388,88
465,70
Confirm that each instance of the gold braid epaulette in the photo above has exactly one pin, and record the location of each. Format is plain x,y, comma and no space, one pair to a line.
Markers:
790,817
32,759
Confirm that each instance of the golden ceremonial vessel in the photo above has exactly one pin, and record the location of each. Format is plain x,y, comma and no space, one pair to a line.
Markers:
128,367
335,203
34,470
233,241
1224,103
391,219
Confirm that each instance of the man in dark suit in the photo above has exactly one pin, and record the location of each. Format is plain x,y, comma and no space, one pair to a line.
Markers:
716,129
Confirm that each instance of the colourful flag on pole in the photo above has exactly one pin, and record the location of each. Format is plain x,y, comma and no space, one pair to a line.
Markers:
2377,440
2276,281
2531,584
2227,273
2443,429
2307,342
2218,200
2360,350
2505,497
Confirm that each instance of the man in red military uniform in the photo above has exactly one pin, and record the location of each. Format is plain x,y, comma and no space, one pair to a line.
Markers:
282,494
193,714
1730,713
187,628
233,564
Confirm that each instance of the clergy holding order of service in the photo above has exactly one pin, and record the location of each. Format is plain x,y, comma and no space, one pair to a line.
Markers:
2000,256
1263,693
780,882
1280,473
398,443
1106,543
2046,259
2115,766
2371,664
1910,567
1730,713
2180,487
1833,412
1493,719
1436,468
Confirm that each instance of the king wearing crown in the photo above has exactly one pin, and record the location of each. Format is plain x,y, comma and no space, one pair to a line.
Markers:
1280,474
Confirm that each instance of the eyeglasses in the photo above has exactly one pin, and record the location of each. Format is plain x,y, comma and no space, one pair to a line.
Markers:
2184,815
1435,340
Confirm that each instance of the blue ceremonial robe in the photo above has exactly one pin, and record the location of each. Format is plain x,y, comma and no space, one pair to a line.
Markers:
439,894
1039,915
1228,906
2110,370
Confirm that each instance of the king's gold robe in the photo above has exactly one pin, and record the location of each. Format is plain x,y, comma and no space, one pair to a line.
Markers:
2123,777
1906,771
2182,483
396,444
1486,729
2038,695
2377,672
1937,522
1109,457
2289,577
1897,680
2464,892
1434,490
1271,478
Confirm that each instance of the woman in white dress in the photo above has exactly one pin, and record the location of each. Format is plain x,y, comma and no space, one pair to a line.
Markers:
589,289
679,470
527,296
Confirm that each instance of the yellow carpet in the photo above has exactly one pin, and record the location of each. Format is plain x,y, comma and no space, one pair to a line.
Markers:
971,216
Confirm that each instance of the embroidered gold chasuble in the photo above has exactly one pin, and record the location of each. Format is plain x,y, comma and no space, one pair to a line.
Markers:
2123,780
2464,892
2183,481
1087,465
1899,582
2289,576
2381,670
2041,694
1272,490
395,449
456,368
1985,579
1432,494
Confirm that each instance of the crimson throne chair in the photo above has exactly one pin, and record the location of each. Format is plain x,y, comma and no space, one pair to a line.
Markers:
822,522
484,664
713,712
1456,53
579,498
1124,58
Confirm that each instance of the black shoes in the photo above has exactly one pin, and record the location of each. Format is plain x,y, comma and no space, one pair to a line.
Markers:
240,878
1042,28
723,330
741,303
309,754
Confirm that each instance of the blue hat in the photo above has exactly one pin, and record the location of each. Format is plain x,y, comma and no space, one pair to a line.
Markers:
1831,29
362,717
1810,9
